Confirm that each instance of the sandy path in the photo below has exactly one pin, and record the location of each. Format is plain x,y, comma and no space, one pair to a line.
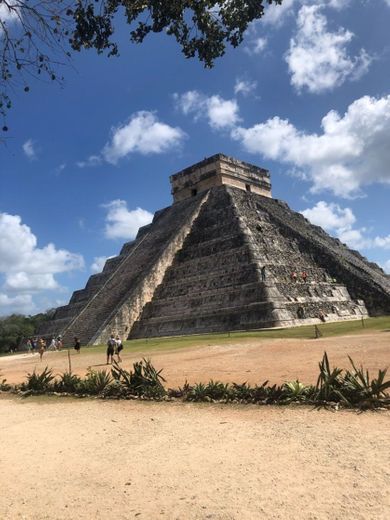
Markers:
250,360
86,459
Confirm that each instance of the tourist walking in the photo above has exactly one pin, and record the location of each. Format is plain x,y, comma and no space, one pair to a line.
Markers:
77,344
41,348
29,346
59,343
111,346
53,345
119,348
263,273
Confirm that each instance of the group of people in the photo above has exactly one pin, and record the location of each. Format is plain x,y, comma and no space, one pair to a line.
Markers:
114,347
40,345
294,276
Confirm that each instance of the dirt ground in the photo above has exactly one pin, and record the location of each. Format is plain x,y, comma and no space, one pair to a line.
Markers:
251,360
63,458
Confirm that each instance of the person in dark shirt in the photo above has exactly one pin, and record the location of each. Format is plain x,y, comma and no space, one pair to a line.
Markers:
77,345
111,346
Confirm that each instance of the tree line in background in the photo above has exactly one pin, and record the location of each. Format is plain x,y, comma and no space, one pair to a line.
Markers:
16,328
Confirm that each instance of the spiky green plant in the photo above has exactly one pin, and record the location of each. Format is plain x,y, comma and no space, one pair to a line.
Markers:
198,393
329,383
360,389
275,394
216,390
182,391
241,392
144,380
295,391
39,383
260,392
67,383
95,382
4,386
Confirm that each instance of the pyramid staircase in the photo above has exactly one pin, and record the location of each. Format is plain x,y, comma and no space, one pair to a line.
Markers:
197,267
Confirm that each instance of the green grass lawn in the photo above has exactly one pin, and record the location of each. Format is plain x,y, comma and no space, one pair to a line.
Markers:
340,328
306,332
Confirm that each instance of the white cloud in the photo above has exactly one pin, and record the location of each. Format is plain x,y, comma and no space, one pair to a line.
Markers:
352,150
29,282
339,222
256,45
386,265
383,242
16,304
93,160
244,87
318,59
143,133
19,251
330,216
28,149
26,268
220,113
276,14
122,223
98,263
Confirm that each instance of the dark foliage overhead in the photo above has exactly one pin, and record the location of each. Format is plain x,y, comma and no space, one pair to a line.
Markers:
37,36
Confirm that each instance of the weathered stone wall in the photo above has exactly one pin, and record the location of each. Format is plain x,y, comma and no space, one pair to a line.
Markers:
98,310
198,268
215,282
329,257
220,170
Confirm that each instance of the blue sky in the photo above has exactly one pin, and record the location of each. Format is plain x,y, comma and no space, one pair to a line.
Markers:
85,164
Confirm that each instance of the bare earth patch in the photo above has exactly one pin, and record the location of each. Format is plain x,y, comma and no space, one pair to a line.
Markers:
66,459
249,360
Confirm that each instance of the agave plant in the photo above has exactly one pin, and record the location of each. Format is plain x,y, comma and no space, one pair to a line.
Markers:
198,393
143,380
68,383
4,386
95,382
260,392
242,392
275,394
363,391
217,390
329,385
181,391
39,382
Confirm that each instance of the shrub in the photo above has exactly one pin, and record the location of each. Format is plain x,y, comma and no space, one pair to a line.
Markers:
39,383
95,382
68,383
359,389
353,389
329,383
144,380
198,392
241,392
295,391
4,386
181,391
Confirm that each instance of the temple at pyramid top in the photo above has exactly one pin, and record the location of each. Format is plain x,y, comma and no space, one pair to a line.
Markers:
219,170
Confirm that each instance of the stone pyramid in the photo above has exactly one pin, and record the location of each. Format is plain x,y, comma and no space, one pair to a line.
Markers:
225,256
